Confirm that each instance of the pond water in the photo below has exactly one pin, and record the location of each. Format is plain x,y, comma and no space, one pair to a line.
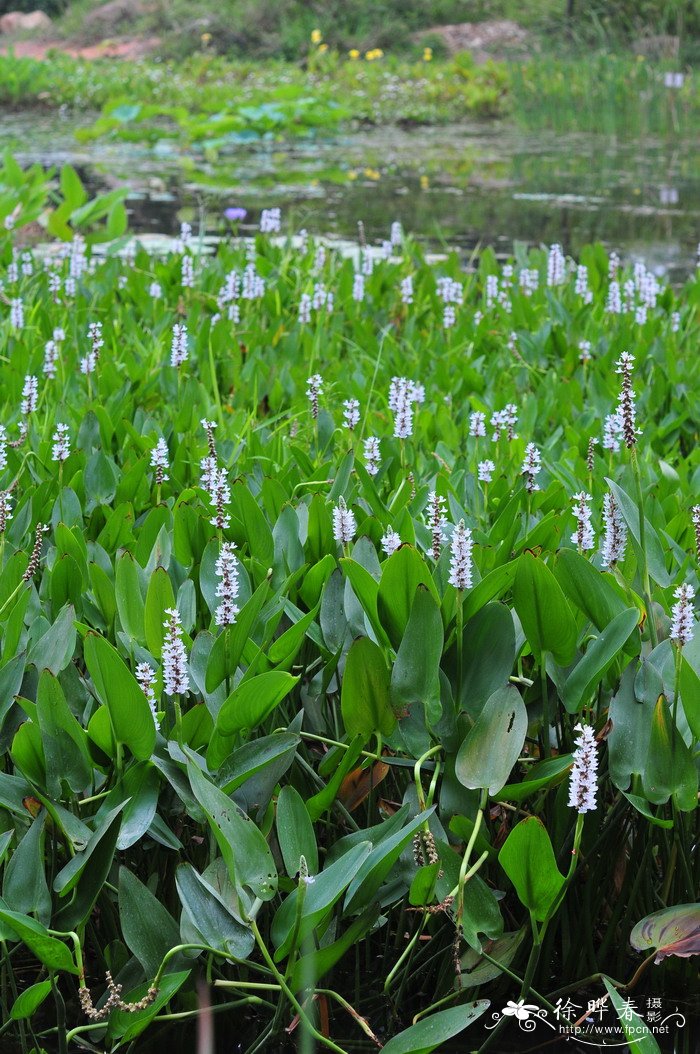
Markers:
465,186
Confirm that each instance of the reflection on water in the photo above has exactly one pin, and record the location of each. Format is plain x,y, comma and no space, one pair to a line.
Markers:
463,185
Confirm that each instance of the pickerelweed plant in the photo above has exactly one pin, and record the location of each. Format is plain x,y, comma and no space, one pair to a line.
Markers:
348,671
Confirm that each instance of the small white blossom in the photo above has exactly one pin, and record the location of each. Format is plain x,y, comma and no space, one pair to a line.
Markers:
461,546
175,677
30,395
351,413
5,509
437,521
146,679
391,541
477,424
371,455
178,346
344,524
486,471
220,497
682,616
532,466
227,588
315,388
615,537
61,444
583,781
270,221
159,461
583,536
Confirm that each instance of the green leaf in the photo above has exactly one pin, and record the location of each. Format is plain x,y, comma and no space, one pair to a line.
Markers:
159,598
319,897
670,769
130,605
65,742
490,631
528,859
587,588
543,611
149,929
116,686
88,881
493,744
55,649
640,1039
47,949
247,706
379,863
243,847
415,677
24,886
549,773
130,1025
432,1032
493,585
209,913
402,573
30,1000
364,700
295,832
597,660
366,589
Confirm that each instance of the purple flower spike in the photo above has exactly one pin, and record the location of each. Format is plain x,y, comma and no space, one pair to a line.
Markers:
235,214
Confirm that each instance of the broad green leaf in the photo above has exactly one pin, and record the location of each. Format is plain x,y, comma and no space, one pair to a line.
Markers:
528,859
670,769
243,847
247,706
415,677
587,588
364,700
432,1032
55,649
130,605
149,929
543,611
209,916
491,631
402,573
52,952
116,686
597,660
159,598
65,742
295,832
319,897
30,1000
87,872
493,744
379,863
549,773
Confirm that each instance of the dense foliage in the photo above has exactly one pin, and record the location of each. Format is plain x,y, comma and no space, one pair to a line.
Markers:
318,575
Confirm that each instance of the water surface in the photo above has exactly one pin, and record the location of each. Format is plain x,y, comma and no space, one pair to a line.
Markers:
466,185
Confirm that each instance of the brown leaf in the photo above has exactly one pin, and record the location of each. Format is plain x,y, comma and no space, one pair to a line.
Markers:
358,783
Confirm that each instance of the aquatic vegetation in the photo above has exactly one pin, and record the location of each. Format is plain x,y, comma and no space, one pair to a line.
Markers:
342,635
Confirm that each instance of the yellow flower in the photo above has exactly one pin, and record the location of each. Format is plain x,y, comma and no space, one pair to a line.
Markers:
354,54
316,36
374,53
352,174
322,48
205,38
424,182
427,54
371,173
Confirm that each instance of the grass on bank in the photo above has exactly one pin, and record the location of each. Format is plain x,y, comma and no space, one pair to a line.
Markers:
214,100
